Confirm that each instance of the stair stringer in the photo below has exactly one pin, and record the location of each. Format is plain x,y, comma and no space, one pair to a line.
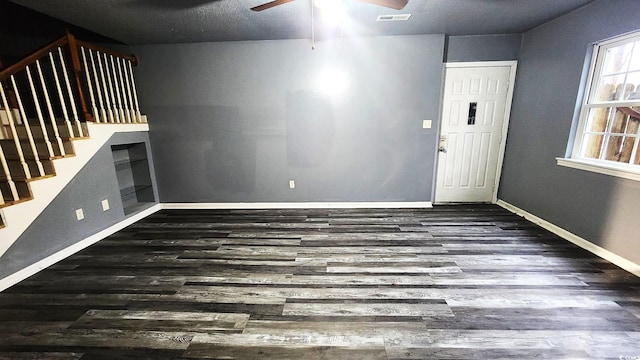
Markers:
19,216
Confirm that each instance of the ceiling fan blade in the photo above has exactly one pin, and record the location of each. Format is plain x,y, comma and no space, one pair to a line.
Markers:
392,4
269,5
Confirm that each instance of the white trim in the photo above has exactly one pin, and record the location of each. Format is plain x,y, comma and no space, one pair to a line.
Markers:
300,205
505,127
513,66
480,64
589,101
82,244
64,253
619,38
582,122
575,239
25,273
601,167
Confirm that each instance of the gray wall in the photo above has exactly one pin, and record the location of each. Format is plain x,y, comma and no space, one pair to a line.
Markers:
482,47
599,208
57,228
235,121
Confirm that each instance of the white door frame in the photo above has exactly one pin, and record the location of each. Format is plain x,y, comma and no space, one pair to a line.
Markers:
512,64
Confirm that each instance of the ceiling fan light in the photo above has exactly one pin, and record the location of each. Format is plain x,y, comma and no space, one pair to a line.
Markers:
328,4
331,11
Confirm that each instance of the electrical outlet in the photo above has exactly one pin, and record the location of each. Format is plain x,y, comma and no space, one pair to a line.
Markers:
79,214
105,204
426,124
292,184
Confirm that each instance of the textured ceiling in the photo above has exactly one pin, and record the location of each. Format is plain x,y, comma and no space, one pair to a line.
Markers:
184,21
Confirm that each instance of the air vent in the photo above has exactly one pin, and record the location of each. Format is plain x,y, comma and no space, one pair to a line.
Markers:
399,17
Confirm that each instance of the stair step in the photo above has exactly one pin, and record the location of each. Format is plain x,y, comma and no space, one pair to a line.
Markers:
24,192
17,171
13,202
63,131
11,151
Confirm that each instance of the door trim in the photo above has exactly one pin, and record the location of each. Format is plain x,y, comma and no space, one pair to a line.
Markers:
512,64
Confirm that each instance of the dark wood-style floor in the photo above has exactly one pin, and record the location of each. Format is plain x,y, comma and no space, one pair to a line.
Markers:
453,282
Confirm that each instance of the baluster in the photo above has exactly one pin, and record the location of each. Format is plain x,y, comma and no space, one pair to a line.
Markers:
109,81
76,69
14,133
72,102
117,82
132,113
107,101
94,109
123,89
52,116
125,106
36,102
7,175
103,113
1,195
135,94
63,104
25,121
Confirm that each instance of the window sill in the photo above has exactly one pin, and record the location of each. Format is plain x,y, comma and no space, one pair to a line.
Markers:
612,169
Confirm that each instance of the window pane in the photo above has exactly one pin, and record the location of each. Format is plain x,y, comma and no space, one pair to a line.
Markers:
598,119
635,59
619,148
633,80
617,59
624,121
610,88
592,146
611,120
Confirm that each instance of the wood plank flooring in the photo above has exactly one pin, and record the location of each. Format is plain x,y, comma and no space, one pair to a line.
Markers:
452,282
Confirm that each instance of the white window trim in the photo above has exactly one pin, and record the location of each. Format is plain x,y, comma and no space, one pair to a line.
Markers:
612,168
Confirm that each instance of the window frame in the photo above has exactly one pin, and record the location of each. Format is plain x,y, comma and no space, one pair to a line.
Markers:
589,102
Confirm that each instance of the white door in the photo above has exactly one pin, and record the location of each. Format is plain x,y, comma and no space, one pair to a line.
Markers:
472,132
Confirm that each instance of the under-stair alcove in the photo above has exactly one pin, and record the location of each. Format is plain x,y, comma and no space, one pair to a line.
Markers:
134,178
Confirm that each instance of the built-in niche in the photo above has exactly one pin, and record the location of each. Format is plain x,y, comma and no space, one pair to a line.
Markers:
134,178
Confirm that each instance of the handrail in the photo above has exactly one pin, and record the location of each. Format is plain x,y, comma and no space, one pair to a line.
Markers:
31,58
62,41
82,70
132,58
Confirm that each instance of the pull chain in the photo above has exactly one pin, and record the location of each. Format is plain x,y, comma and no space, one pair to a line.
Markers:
313,30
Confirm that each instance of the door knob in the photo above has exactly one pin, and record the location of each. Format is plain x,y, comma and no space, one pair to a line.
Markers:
443,142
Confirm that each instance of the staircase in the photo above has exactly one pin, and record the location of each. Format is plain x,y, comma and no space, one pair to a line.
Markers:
49,103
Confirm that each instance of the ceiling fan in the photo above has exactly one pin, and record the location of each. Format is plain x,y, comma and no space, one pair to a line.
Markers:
392,4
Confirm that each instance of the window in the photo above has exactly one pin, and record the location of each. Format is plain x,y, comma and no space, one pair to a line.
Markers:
609,128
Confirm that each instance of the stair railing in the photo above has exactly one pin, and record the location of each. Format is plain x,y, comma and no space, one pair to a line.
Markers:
49,89
110,84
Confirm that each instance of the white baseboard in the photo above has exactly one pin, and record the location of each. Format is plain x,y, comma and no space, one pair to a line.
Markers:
577,240
64,253
301,205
